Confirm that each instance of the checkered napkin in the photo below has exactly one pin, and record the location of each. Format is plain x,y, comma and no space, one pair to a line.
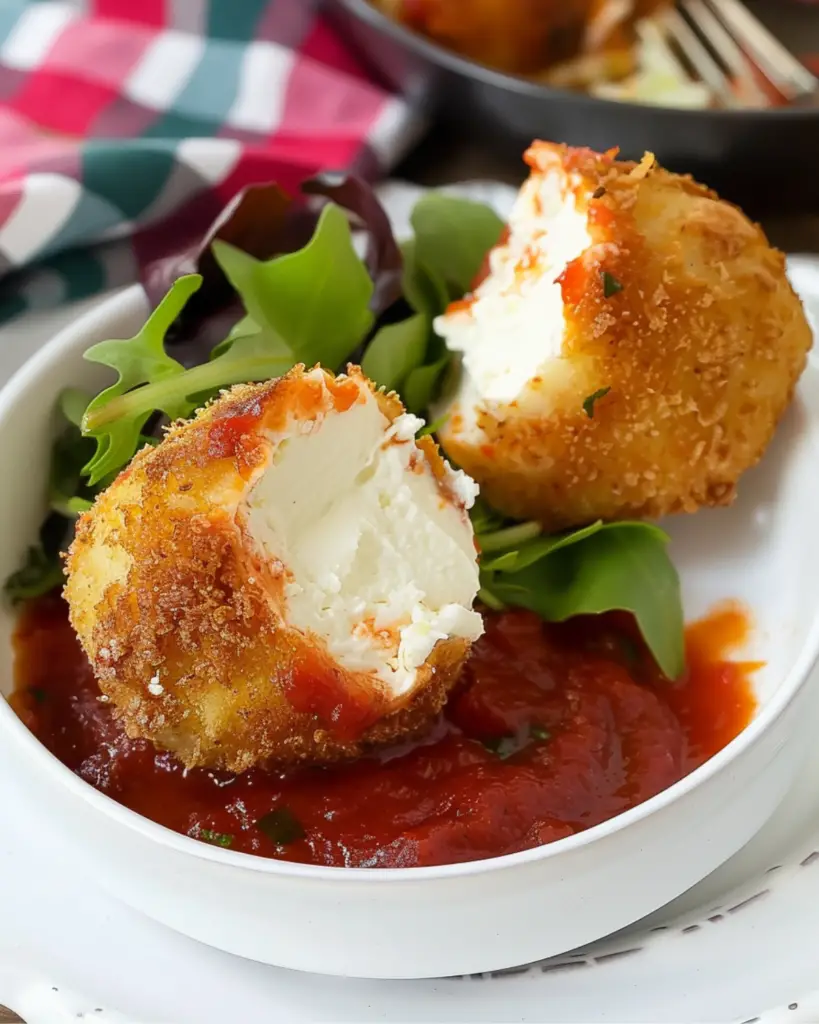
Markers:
127,124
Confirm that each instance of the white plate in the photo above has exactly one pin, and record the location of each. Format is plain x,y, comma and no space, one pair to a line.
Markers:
737,944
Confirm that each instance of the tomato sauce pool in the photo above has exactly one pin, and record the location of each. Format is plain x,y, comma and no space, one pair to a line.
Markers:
551,730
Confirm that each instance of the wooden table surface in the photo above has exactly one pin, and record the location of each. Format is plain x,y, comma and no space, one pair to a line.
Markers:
442,157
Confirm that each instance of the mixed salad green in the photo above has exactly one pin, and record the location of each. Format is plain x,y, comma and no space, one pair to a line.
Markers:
278,281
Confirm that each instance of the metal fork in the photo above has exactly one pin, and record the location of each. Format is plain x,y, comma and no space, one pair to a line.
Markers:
722,41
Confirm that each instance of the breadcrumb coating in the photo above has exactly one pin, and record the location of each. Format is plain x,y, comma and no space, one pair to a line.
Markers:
680,318
183,619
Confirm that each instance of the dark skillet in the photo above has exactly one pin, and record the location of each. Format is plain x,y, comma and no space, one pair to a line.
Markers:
767,160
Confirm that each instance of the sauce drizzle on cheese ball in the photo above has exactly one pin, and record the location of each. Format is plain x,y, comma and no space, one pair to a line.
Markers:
288,576
627,350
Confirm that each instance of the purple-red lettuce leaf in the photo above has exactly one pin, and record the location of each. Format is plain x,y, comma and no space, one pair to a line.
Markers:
382,254
261,220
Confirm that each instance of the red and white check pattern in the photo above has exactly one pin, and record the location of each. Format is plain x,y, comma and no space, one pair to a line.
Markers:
135,118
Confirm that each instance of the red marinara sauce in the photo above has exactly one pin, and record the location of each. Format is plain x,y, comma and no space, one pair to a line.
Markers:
551,730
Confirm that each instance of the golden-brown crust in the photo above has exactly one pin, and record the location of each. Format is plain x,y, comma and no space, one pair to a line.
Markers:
700,351
183,625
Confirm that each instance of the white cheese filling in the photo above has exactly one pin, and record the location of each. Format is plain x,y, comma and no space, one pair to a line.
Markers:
514,326
381,566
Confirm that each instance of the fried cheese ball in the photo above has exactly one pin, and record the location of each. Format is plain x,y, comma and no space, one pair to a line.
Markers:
289,576
629,351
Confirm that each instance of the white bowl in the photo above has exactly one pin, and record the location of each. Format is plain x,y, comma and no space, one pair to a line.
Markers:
463,918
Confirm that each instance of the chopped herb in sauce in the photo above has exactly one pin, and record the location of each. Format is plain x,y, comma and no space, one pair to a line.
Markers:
506,746
503,746
216,838
37,694
281,826
588,403
611,286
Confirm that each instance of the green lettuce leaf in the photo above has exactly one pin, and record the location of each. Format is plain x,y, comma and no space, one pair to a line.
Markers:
424,290
39,574
316,300
314,305
421,384
452,237
396,351
309,306
138,360
599,568
68,493
68,496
